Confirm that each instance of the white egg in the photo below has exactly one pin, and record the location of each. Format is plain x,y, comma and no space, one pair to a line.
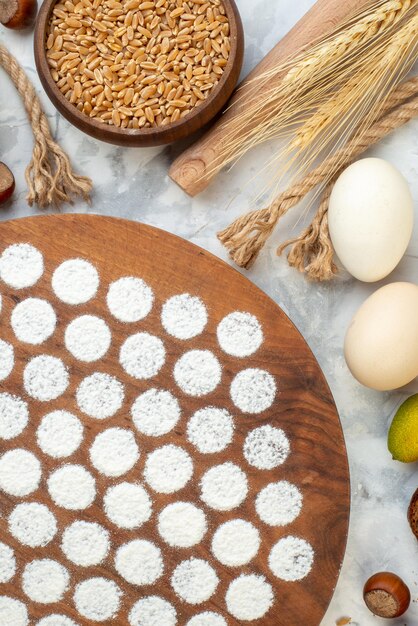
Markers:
381,344
370,218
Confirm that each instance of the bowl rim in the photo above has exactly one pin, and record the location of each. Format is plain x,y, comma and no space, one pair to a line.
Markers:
197,118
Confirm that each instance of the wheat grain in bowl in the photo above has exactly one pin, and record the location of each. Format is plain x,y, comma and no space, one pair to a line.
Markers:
134,64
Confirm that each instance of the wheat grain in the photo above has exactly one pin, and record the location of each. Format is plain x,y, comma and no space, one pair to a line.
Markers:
136,64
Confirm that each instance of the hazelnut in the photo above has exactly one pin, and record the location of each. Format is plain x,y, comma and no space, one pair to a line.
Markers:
7,183
386,595
413,514
18,14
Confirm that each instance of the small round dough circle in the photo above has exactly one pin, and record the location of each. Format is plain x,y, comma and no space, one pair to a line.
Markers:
45,378
142,356
20,472
129,299
155,412
45,581
32,524
236,543
56,620
182,524
184,316
114,452
197,372
13,612
210,429
266,447
100,396
168,469
139,562
208,618
97,599
85,543
224,487
7,563
152,611
7,359
21,265
87,338
72,487
75,281
127,505
194,581
240,334
33,321
253,390
14,416
59,434
279,504
249,597
291,559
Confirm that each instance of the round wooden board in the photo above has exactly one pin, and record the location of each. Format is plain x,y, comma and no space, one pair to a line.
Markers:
303,408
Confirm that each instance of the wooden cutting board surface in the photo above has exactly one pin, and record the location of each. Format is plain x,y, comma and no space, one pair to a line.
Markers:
303,409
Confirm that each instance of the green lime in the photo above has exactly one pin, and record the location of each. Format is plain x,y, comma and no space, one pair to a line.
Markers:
403,433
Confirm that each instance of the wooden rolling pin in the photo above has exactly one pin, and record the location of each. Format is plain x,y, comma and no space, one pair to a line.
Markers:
194,169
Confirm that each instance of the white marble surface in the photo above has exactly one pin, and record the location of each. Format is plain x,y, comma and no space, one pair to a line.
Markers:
133,183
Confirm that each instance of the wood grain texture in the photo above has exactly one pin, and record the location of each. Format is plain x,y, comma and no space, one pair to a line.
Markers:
304,408
197,119
195,168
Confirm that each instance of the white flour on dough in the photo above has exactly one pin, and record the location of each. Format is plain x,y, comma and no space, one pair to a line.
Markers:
33,321
7,563
32,524
182,524
155,412
97,599
279,504
184,316
14,416
45,581
240,334
21,265
253,390
129,299
13,612
72,487
291,558
139,562
249,597
7,359
59,434
20,472
127,505
85,543
197,372
75,281
152,611
87,338
194,581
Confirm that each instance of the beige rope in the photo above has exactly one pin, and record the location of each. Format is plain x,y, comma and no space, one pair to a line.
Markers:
312,252
49,175
246,236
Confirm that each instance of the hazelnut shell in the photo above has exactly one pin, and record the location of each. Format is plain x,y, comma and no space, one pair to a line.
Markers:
24,16
7,183
386,595
413,514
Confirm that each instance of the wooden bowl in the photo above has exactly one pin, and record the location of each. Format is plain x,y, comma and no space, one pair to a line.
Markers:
198,117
